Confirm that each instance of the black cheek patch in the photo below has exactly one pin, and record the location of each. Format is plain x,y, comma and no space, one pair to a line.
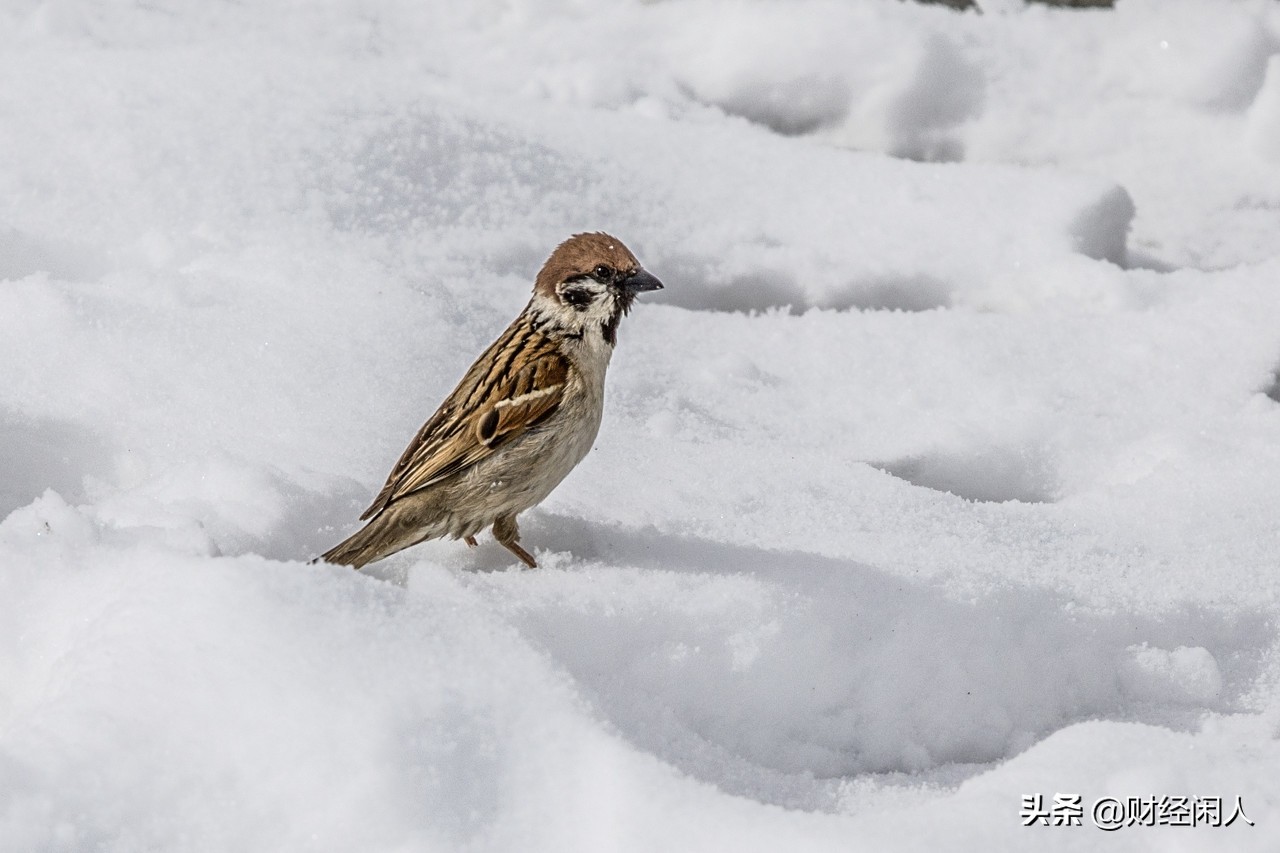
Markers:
578,297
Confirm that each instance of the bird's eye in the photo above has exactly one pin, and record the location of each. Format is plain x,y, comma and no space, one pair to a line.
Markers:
603,273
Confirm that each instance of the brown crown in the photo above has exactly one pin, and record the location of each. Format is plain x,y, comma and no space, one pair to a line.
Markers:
581,254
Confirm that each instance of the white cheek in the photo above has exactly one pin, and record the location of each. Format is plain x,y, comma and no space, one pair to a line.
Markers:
601,309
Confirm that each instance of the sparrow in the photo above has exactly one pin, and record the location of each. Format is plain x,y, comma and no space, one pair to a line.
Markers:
522,417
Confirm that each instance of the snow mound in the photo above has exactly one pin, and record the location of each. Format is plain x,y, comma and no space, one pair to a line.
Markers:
1185,674
943,471
855,73
1190,51
995,474
1264,115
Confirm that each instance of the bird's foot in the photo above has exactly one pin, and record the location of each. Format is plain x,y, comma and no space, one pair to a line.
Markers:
507,532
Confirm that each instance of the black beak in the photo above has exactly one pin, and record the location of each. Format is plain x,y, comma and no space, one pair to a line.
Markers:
638,282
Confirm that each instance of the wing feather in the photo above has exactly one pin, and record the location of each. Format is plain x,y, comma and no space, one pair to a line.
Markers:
516,383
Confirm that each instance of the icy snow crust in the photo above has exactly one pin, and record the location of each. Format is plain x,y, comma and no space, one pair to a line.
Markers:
944,471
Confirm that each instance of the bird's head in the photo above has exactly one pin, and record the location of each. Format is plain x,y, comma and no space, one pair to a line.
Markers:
589,283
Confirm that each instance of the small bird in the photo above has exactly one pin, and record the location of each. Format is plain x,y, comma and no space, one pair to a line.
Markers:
522,417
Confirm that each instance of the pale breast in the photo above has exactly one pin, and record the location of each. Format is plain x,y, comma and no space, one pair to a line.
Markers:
522,473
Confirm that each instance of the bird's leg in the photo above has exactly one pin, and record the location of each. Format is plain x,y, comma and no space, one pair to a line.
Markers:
507,533
470,540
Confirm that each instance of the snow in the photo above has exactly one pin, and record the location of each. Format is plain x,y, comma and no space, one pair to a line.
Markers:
942,472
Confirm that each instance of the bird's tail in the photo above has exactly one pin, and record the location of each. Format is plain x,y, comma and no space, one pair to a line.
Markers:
380,538
354,551
395,528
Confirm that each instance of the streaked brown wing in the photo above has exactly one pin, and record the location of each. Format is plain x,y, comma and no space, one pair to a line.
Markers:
517,382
